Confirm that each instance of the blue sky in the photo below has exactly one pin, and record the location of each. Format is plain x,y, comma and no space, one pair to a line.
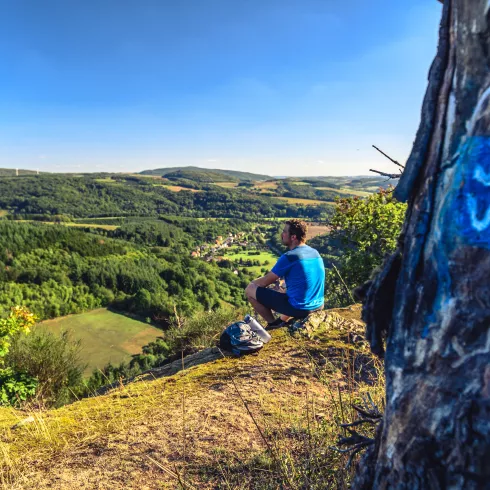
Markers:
282,87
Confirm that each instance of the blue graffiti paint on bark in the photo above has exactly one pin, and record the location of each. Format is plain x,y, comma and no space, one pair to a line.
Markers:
473,202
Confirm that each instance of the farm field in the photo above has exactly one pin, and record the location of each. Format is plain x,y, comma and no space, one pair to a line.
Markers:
105,336
107,180
315,230
90,225
266,185
226,185
79,225
178,188
345,191
98,218
307,202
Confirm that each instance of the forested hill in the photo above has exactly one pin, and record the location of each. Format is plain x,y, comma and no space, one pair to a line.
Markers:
144,268
124,195
217,174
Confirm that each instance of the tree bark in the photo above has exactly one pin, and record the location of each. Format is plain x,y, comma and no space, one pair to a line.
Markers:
433,297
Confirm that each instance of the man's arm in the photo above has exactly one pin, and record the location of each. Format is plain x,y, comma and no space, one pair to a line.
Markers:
266,280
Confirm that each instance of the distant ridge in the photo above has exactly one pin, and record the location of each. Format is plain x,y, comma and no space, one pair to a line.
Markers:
229,174
9,172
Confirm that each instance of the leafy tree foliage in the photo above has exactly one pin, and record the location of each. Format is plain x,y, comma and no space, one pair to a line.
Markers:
364,232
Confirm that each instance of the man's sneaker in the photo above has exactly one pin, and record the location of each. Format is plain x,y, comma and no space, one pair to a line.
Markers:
277,323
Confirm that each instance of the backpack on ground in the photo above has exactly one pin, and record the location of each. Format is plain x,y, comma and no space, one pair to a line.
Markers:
240,339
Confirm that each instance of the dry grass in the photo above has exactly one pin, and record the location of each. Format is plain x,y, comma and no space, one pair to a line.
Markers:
266,185
264,421
178,188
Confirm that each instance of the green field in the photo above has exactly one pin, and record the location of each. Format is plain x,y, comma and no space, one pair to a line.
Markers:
68,223
235,254
106,336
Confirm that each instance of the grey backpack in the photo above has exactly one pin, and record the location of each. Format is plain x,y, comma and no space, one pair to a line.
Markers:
240,339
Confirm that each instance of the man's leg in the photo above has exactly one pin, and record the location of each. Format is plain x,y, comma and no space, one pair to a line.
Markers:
263,311
280,289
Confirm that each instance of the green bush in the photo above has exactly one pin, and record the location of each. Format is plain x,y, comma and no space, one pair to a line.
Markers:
15,385
53,360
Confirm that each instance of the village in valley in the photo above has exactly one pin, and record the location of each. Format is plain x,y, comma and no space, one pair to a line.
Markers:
247,251
243,250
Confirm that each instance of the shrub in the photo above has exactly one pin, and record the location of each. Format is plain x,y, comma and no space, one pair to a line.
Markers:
53,360
15,385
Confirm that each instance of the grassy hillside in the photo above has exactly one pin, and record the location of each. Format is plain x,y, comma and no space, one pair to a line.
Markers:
262,421
106,336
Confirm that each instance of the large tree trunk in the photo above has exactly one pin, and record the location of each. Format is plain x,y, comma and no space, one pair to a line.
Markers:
433,296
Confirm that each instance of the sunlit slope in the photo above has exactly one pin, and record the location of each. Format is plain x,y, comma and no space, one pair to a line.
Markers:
254,422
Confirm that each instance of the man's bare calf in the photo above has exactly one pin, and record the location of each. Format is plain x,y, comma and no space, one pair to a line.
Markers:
263,311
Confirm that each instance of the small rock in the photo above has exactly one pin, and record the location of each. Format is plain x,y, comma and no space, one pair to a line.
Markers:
23,422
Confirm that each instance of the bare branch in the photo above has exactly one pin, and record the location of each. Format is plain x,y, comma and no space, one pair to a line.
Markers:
388,157
391,176
360,422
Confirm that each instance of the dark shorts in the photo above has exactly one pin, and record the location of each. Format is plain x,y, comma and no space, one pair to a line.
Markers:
279,303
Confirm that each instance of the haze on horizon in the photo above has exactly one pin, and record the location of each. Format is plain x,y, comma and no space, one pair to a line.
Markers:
279,87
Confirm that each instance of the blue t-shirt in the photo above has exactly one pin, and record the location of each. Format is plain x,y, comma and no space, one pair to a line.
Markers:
304,273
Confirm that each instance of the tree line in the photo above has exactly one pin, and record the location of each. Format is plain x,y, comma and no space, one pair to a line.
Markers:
48,196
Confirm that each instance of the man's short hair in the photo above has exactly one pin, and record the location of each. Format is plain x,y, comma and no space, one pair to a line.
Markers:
298,228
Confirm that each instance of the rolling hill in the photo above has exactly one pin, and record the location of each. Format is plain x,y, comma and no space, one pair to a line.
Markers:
223,175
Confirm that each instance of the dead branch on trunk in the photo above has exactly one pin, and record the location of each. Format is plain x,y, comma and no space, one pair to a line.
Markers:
388,157
390,176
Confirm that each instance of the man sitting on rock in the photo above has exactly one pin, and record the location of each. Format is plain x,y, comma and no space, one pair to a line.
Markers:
304,273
